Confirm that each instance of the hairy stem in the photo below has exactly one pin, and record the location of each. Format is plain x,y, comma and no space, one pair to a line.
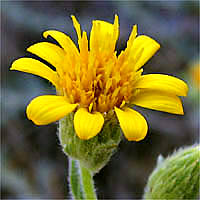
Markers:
87,183
74,179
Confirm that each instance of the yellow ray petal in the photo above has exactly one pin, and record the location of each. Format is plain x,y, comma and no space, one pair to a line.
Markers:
116,29
149,47
82,40
83,46
124,55
131,39
157,100
161,82
48,108
32,66
76,26
103,36
87,125
132,123
49,52
65,41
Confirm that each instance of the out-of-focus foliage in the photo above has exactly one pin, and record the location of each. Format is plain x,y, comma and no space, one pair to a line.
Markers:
176,177
33,165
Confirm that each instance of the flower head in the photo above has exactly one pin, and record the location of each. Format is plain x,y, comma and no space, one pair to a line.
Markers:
94,82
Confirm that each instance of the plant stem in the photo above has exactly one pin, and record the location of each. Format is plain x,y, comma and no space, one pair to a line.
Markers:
81,181
87,183
74,179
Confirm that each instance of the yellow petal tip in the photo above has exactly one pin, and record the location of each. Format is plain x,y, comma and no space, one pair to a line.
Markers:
73,17
45,34
135,140
13,66
135,28
181,111
116,18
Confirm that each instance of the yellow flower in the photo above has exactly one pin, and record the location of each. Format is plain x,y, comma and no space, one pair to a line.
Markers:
94,82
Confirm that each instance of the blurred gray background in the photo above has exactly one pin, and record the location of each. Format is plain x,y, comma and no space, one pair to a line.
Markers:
33,165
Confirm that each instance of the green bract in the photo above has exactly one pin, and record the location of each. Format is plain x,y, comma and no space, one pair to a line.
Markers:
95,152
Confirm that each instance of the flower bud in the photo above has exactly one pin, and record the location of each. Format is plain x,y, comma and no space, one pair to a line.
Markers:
176,177
95,152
